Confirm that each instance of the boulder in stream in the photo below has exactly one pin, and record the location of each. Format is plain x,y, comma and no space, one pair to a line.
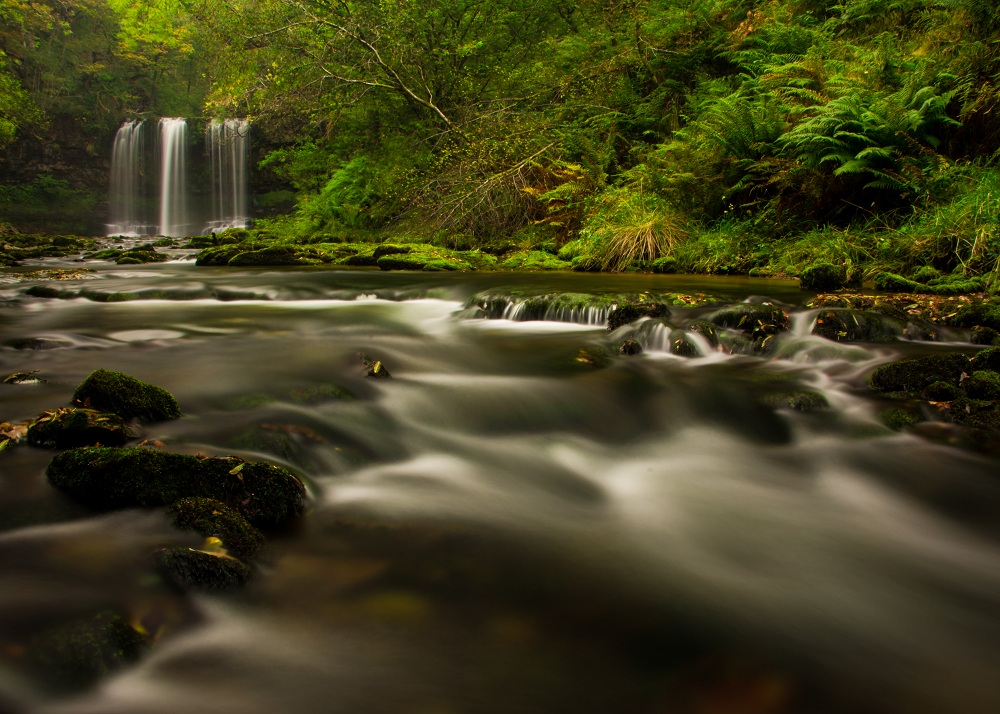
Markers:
211,518
70,427
109,478
126,396
823,277
206,570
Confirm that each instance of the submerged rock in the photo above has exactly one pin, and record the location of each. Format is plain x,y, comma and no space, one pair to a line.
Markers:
374,368
126,396
109,478
70,427
210,571
78,653
24,378
756,321
211,518
801,400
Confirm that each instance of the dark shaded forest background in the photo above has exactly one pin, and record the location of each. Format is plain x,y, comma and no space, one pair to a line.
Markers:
722,136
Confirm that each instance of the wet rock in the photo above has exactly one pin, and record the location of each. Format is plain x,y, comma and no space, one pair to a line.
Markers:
912,376
984,336
218,255
897,418
987,359
629,347
707,330
271,256
70,427
801,400
845,325
593,357
126,396
941,392
983,384
630,312
205,570
823,277
374,368
756,321
681,346
975,413
210,518
110,478
78,653
24,378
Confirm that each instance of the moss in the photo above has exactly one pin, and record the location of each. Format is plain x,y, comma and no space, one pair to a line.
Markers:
892,283
69,427
630,312
801,400
108,478
757,321
948,285
125,396
940,392
844,325
141,254
980,314
667,264
219,255
982,384
987,359
200,242
897,419
211,518
78,653
272,256
984,336
126,260
925,274
533,260
823,277
976,413
390,249
439,266
681,346
707,330
186,568
912,376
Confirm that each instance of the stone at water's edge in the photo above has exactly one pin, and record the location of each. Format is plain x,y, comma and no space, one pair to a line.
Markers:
109,478
126,396
202,570
823,277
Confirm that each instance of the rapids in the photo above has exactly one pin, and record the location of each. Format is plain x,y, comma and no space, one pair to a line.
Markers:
500,528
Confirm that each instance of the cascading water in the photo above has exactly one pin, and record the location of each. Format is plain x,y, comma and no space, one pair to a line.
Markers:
127,173
174,218
228,144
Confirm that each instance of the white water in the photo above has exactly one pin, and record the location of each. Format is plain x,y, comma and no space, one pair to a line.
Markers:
174,218
127,178
536,535
228,146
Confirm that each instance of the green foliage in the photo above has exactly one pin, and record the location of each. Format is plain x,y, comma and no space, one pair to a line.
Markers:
629,227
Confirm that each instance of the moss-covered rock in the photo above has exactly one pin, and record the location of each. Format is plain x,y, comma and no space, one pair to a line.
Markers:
897,418
823,277
801,400
844,325
78,653
983,384
987,359
630,312
666,265
629,347
69,428
912,376
205,570
275,255
126,396
211,518
985,336
218,255
941,392
681,346
893,283
975,413
109,478
751,318
533,260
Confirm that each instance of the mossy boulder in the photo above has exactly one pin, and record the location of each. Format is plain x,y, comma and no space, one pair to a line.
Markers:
667,265
987,359
78,653
218,255
897,418
630,312
912,376
823,277
752,319
275,255
128,397
109,478
800,400
629,348
681,346
893,283
983,384
533,260
211,518
985,336
208,571
68,428
141,254
707,330
845,325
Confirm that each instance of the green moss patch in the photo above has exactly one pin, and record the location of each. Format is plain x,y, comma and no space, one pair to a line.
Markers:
126,396
68,428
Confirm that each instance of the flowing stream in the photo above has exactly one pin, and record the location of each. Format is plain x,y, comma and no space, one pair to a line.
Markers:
500,527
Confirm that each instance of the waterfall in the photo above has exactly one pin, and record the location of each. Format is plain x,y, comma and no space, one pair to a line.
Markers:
228,142
173,168
127,173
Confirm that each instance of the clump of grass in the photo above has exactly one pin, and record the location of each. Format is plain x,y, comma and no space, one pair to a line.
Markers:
630,227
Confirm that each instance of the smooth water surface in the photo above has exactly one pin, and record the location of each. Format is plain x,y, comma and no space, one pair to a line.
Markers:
501,527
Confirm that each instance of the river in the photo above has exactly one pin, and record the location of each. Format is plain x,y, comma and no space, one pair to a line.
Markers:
501,527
